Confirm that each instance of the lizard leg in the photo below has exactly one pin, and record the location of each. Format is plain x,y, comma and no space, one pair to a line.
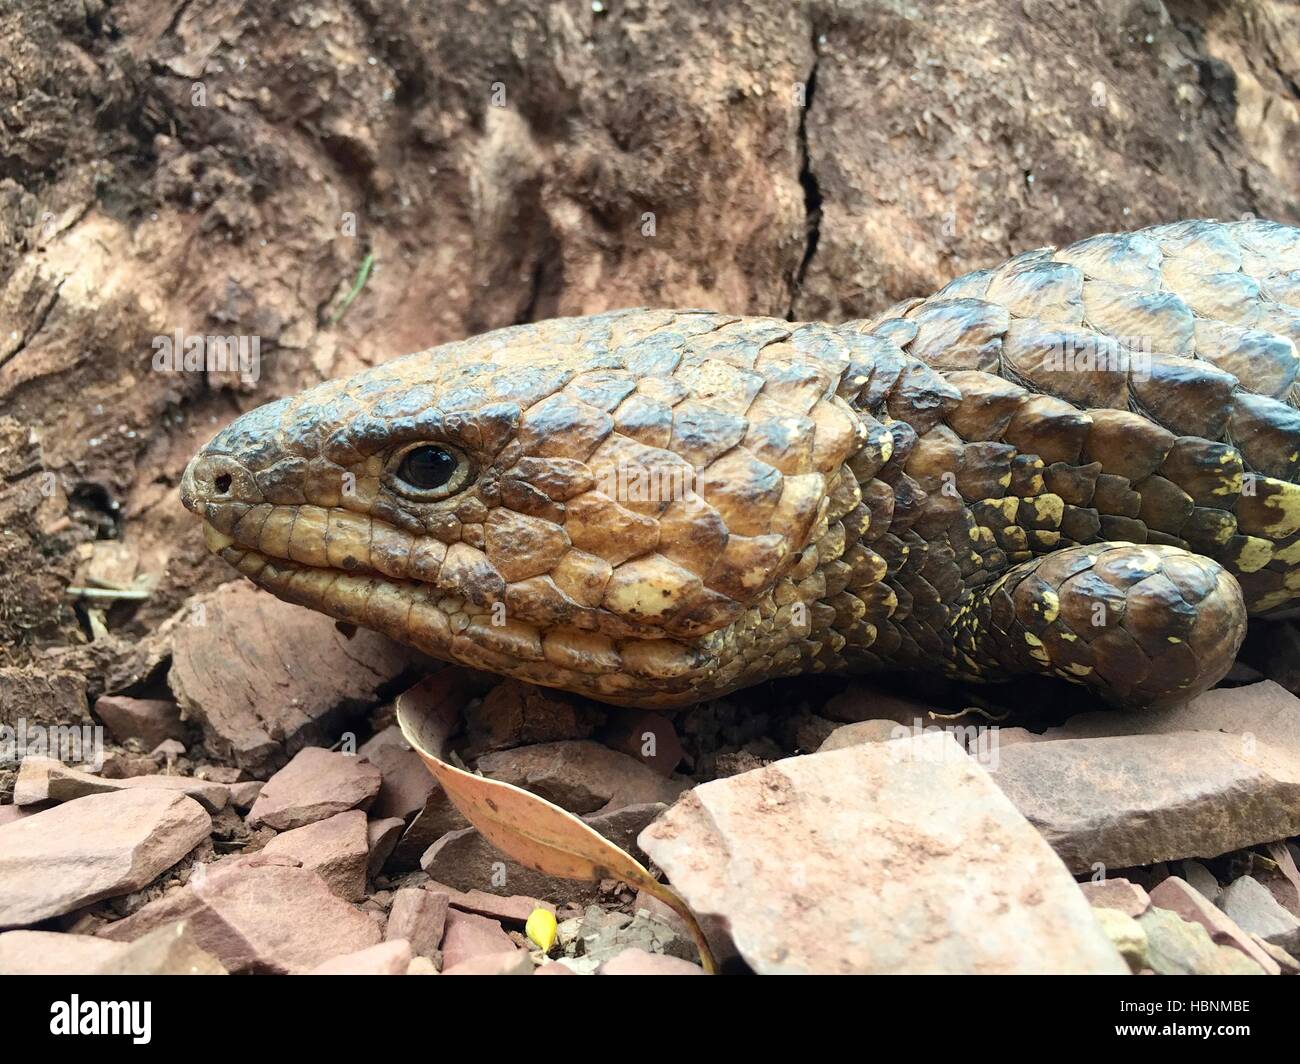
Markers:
1142,625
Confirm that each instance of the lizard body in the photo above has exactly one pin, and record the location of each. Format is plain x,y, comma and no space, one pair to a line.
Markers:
1081,463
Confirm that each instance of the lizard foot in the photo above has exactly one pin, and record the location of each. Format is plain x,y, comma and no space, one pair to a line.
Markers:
1142,625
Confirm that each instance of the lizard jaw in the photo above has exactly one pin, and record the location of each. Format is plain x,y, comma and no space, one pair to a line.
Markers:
644,673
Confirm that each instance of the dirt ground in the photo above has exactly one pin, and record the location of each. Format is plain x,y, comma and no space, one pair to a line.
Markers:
349,181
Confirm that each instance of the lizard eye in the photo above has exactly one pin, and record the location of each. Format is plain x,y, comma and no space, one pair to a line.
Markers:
429,471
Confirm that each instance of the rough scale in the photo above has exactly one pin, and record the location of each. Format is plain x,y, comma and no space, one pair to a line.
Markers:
1081,463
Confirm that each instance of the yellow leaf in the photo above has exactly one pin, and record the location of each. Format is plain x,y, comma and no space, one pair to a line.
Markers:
526,828
541,929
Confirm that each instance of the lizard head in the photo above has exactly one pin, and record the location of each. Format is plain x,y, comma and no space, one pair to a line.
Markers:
605,505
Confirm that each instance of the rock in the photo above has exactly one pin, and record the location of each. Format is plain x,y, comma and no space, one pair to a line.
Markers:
52,953
1012,736
1138,799
605,935
554,968
124,765
866,731
301,680
515,909
1265,711
90,848
337,849
43,696
258,915
579,965
382,837
1232,961
436,819
316,784
406,783
594,923
10,814
645,735
1285,961
42,779
468,862
468,936
421,966
514,713
1250,904
109,564
1178,947
635,961
858,703
1126,934
810,732
226,774
1119,894
506,962
1202,879
803,861
622,826
420,917
170,950
1282,888
737,762
392,957
654,908
243,795
582,777
1284,881
1178,896
151,720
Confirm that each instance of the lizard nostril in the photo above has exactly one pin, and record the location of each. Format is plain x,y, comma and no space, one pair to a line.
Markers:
222,482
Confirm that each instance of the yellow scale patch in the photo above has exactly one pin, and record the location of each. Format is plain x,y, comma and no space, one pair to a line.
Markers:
1255,554
1048,509
1036,649
1286,502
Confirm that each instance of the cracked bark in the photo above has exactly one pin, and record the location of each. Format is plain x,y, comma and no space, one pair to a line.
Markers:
812,196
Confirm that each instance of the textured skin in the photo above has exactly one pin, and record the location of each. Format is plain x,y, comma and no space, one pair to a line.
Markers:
1080,463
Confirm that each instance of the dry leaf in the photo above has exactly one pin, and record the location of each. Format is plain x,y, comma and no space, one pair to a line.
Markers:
526,828
1286,864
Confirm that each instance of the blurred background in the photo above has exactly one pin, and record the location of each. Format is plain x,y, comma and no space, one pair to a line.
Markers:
349,181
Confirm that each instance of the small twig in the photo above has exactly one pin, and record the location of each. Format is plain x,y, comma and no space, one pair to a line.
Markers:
363,275
995,718
130,594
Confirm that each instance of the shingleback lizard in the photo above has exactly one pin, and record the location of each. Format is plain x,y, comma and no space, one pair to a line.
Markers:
1081,463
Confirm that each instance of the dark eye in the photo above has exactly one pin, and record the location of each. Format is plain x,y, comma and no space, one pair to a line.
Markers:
430,471
427,468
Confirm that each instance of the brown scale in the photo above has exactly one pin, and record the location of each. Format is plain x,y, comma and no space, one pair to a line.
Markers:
1155,456
1079,463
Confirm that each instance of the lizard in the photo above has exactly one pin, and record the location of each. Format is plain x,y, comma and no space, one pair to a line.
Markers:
1081,463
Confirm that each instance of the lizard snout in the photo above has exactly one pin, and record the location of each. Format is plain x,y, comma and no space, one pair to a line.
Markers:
215,479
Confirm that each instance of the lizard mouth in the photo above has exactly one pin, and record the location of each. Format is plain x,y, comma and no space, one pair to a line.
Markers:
451,627
411,611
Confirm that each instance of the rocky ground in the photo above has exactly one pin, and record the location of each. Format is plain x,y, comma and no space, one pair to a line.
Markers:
346,180
266,816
